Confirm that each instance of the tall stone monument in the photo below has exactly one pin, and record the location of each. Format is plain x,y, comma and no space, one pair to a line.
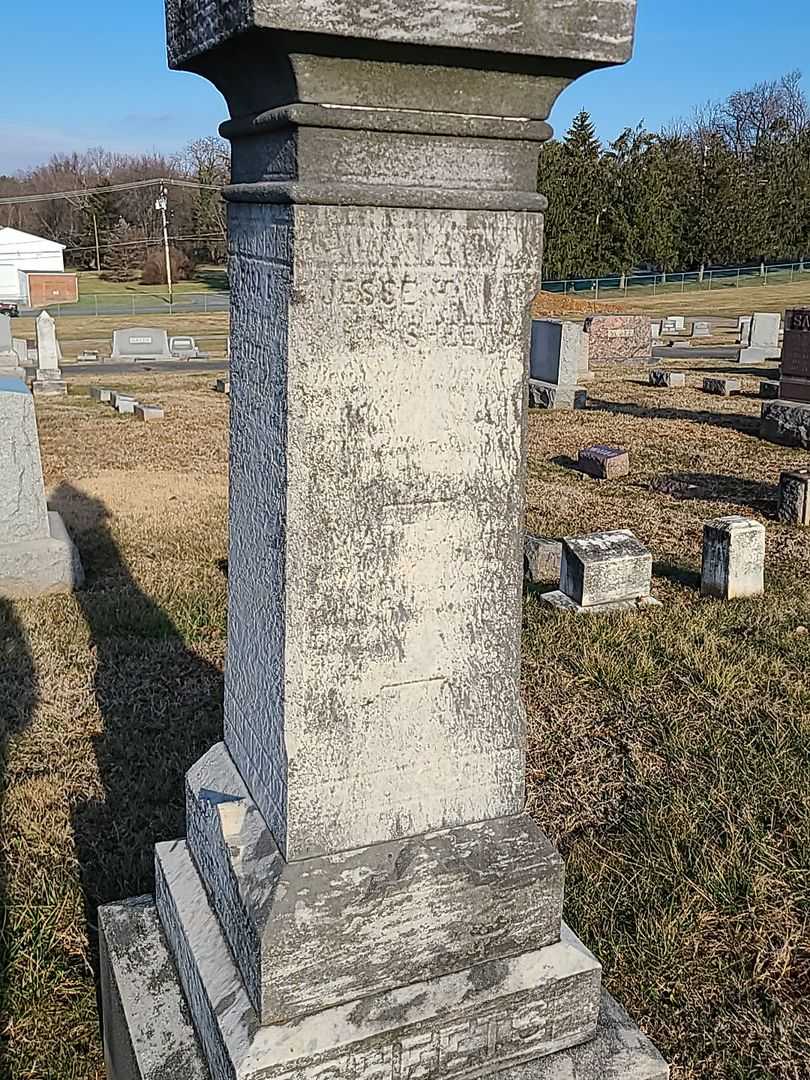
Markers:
49,380
361,895
36,554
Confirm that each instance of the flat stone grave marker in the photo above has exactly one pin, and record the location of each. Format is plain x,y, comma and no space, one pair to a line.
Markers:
701,329
185,348
147,413
361,894
786,423
604,462
124,404
223,386
603,572
548,396
99,393
794,497
141,343
715,384
36,554
733,558
670,379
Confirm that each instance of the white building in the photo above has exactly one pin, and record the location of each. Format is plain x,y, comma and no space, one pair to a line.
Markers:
26,252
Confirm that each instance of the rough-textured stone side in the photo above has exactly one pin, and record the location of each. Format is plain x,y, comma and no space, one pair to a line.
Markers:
723,387
147,1027
733,558
794,497
786,423
542,558
310,934
23,512
41,567
377,405
471,1022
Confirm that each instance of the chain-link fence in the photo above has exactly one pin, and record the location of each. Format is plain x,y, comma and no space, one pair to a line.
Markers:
135,304
648,284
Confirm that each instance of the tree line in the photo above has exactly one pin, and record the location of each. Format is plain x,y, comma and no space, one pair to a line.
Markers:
729,187
123,229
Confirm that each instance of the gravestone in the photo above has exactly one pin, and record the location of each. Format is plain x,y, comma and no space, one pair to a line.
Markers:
744,329
701,329
603,572
124,404
786,423
733,558
794,497
673,324
717,384
604,462
100,393
223,386
36,554
557,357
185,348
49,381
147,413
618,338
795,371
542,558
361,894
769,388
140,343
762,342
671,379
10,365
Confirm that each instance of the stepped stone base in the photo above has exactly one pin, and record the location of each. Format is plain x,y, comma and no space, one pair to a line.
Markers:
149,1035
547,395
559,600
38,567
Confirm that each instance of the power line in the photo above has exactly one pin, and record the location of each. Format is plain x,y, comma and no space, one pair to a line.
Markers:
82,193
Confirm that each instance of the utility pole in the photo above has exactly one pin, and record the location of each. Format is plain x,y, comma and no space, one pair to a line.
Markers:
98,247
162,205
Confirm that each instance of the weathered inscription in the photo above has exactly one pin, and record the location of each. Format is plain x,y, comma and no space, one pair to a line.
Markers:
800,320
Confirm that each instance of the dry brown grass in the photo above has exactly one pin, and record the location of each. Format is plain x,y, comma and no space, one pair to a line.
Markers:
667,755
79,332
721,300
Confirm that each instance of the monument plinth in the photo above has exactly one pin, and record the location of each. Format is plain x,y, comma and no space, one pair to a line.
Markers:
361,894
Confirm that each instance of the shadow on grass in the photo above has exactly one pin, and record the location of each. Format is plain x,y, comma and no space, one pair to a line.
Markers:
711,487
161,708
747,425
566,462
19,692
678,575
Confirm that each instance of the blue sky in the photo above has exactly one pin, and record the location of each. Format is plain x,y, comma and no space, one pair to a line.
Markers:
94,72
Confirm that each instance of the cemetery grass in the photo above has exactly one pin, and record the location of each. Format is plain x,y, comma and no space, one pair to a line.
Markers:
720,300
78,333
205,279
668,751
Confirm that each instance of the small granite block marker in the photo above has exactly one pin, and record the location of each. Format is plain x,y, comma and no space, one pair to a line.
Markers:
223,386
99,393
794,497
701,329
125,404
542,558
671,379
715,384
609,571
36,554
361,895
733,558
149,412
604,462
49,382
